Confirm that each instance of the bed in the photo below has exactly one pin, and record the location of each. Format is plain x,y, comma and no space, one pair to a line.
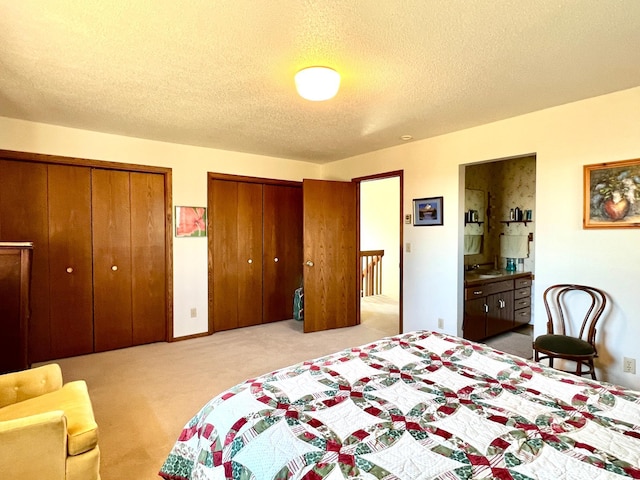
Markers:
421,405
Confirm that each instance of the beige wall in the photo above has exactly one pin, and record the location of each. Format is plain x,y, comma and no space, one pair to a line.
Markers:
563,139
189,170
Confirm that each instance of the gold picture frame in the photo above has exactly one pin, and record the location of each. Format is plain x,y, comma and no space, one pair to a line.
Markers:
612,195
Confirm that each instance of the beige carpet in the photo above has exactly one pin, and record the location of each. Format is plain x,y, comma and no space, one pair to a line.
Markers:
143,396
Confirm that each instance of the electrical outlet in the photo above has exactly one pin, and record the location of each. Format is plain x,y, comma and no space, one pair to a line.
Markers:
441,323
629,365
194,312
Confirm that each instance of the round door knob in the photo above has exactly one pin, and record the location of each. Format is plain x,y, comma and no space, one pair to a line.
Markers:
69,270
309,263
114,268
275,259
249,261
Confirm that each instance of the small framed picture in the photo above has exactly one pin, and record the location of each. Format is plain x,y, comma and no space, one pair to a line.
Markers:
191,222
427,211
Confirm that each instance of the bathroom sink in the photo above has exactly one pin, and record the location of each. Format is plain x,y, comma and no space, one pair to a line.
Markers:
485,273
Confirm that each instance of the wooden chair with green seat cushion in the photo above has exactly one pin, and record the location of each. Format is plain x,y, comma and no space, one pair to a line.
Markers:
566,305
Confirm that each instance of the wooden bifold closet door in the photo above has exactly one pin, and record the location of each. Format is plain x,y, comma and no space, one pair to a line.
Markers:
237,260
70,261
99,254
256,252
282,220
128,259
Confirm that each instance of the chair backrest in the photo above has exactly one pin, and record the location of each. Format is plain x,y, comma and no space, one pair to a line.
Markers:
559,300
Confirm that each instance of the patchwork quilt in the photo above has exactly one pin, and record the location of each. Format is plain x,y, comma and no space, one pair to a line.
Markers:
421,405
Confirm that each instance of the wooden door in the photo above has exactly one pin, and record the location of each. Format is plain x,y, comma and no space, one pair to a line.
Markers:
235,214
331,287
23,217
148,249
282,250
223,235
249,258
475,319
70,260
500,314
111,259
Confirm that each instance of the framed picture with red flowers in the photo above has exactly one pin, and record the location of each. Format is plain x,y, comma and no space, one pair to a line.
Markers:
191,222
612,195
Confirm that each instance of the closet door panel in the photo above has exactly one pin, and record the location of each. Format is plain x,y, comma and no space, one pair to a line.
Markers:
23,217
148,258
111,259
224,243
249,257
70,262
282,209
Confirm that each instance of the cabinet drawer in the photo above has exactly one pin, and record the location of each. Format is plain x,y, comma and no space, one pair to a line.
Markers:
522,292
488,289
523,282
522,316
522,302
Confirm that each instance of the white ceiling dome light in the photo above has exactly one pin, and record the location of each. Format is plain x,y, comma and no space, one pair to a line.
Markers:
317,83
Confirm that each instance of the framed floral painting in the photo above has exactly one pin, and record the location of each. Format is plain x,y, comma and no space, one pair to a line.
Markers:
191,222
612,195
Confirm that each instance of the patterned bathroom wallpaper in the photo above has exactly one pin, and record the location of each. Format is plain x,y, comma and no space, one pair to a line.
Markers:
508,184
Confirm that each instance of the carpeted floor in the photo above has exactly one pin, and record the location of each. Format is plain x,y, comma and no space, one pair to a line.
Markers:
143,396
518,342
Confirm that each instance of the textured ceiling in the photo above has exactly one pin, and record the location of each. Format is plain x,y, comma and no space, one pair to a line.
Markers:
220,73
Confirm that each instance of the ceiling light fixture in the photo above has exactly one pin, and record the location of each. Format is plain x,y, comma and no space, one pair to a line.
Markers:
317,83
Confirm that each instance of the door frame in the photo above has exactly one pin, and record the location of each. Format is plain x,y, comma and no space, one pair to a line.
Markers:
380,176
130,167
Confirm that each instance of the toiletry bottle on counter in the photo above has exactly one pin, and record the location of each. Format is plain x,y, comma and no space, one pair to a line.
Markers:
512,214
518,214
511,265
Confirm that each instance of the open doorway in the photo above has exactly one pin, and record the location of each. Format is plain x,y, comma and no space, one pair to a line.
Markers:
381,252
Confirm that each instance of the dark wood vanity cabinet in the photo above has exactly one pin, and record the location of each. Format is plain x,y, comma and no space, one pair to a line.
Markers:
496,306
15,273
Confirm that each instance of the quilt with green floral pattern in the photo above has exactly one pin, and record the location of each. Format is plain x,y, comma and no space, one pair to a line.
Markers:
421,405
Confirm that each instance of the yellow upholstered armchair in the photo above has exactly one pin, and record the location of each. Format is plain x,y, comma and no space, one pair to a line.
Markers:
47,429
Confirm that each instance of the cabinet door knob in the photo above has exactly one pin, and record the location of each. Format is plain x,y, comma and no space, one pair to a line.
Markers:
309,263
69,270
114,268
486,308
275,259
250,261
477,292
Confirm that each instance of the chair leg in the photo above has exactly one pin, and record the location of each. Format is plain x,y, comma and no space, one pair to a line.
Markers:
593,369
579,368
